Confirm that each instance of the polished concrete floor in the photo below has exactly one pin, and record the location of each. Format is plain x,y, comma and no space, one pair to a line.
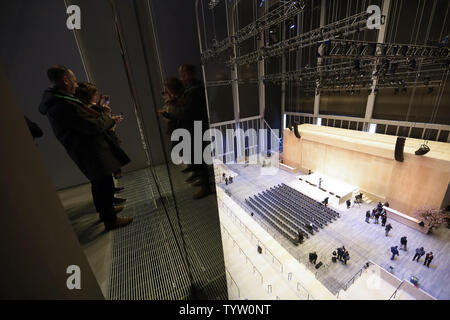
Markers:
364,241
145,260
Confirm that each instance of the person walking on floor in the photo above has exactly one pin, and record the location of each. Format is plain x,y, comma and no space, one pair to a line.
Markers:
395,252
403,242
367,216
428,258
419,253
387,229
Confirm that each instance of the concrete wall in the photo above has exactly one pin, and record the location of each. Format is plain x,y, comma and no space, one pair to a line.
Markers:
35,36
37,242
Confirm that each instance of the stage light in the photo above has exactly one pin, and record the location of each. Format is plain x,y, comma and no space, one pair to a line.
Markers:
292,26
261,3
395,91
430,90
422,150
404,90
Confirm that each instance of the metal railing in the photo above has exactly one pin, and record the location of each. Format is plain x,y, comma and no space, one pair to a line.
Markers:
247,259
232,281
301,290
352,280
360,123
396,290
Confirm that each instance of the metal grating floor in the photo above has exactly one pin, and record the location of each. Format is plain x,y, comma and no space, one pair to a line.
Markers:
146,263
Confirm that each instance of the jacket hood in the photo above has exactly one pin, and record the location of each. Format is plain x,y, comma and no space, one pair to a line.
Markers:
47,100
51,96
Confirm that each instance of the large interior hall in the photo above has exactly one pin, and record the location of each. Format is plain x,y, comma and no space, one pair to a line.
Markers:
225,150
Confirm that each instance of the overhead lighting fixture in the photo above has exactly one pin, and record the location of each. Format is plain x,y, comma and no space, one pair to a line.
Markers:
261,3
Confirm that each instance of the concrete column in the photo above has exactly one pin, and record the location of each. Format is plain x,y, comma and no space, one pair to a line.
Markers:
381,39
319,61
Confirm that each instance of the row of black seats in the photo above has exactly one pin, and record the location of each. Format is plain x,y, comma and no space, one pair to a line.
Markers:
304,212
291,212
278,225
285,216
310,200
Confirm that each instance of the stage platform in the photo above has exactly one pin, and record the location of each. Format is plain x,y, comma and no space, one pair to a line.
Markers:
364,241
337,191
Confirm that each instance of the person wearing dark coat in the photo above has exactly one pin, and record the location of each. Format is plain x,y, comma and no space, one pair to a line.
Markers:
419,253
383,220
395,252
313,257
428,258
340,252
387,229
88,94
377,216
83,136
403,243
346,257
367,216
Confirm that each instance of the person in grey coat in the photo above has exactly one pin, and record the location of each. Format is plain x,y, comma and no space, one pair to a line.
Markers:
83,136
419,253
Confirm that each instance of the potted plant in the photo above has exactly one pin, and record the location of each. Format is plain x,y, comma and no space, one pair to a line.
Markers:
431,217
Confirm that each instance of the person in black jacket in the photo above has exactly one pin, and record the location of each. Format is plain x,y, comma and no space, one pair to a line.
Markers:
88,94
83,136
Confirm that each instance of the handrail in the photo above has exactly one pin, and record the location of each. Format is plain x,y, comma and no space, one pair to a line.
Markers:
251,233
355,276
230,213
235,283
395,292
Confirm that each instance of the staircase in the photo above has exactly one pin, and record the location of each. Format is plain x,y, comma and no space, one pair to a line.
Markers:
365,198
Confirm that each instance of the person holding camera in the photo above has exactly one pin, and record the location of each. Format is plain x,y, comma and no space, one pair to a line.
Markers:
88,94
83,136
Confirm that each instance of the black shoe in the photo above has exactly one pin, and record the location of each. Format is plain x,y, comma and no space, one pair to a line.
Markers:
117,190
119,201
